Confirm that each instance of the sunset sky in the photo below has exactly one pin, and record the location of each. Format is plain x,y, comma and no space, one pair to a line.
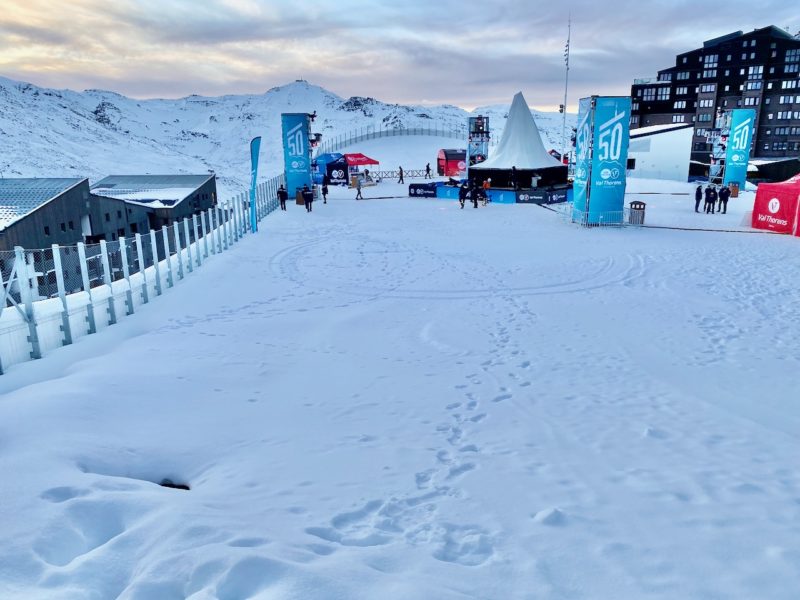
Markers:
465,53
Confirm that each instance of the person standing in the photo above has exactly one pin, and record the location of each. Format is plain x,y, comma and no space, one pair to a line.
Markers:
487,183
474,193
358,189
428,171
400,171
724,196
709,195
698,195
282,196
324,192
462,194
308,198
514,182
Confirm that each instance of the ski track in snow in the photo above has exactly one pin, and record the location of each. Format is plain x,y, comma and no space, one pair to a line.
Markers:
409,400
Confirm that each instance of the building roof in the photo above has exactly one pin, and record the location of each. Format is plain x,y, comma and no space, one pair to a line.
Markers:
19,197
155,191
521,145
654,129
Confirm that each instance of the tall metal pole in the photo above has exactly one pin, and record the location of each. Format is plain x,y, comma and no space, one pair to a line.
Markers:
566,88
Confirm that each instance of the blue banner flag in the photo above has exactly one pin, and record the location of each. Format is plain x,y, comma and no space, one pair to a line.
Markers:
296,151
600,189
583,160
255,146
737,154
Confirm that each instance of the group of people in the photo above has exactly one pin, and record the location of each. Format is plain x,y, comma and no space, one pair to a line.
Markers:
712,197
474,192
308,196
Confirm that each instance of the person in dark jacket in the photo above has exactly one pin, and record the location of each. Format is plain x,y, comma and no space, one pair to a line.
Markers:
324,193
473,193
282,196
428,171
400,171
462,194
308,198
709,194
698,195
514,181
724,195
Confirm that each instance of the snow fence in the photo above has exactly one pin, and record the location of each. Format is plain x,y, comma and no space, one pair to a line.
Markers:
52,297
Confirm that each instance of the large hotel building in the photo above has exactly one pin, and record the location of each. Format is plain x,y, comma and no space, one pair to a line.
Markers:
759,70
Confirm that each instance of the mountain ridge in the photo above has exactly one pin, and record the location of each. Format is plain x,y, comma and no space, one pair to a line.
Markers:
53,133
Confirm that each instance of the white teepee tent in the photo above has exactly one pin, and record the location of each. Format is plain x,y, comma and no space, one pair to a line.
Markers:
521,145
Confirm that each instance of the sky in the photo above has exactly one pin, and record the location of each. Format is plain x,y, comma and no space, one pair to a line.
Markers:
463,52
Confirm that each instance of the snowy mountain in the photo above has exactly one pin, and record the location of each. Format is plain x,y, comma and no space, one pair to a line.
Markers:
60,133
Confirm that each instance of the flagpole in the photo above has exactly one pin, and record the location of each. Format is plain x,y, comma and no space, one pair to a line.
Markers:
566,88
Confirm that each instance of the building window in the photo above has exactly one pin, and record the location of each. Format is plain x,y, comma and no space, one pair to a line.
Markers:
751,101
682,75
634,106
729,58
755,72
727,88
752,55
71,226
793,68
789,85
709,74
63,227
793,55
754,85
634,119
772,70
769,85
752,43
47,230
704,118
119,214
706,103
727,72
680,104
677,118
710,61
681,91
649,94
767,100
707,88
108,217
744,56
684,60
665,77
663,93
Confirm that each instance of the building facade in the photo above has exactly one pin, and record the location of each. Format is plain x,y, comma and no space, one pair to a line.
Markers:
37,213
758,70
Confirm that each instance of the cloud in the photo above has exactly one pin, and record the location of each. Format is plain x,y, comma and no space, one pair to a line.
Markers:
459,52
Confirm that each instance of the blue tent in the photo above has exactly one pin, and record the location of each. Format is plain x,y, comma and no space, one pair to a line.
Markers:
320,163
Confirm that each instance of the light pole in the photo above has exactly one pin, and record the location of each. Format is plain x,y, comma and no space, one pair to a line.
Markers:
566,88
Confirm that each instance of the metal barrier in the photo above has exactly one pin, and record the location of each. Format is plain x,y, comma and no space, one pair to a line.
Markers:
52,296
370,133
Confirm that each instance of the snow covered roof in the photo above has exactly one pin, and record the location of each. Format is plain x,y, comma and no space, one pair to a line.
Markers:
155,191
20,196
521,145
653,129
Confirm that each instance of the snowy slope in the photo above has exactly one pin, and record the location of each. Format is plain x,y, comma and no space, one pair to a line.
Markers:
52,133
467,404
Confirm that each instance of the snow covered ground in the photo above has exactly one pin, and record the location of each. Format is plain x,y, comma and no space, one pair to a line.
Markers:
401,399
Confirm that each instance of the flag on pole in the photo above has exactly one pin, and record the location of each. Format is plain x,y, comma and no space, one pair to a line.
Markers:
255,146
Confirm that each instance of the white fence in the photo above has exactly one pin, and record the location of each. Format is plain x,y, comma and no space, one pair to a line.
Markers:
52,297
370,133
